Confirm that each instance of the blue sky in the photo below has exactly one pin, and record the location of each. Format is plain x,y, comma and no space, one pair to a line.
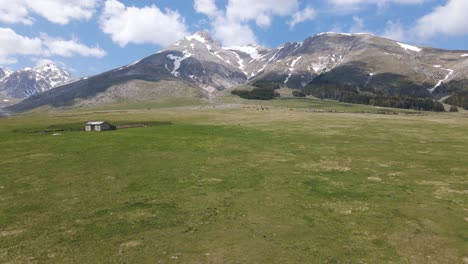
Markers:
91,36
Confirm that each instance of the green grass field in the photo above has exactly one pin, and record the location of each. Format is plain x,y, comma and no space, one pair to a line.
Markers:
235,184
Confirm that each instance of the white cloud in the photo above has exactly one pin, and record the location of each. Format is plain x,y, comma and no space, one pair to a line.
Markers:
358,25
450,19
141,25
230,32
56,11
349,6
233,34
207,7
247,10
13,45
304,15
41,62
395,31
263,21
232,25
63,11
377,2
70,48
13,12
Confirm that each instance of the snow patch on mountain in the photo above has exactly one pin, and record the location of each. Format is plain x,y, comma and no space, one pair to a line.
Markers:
133,63
324,63
6,73
250,50
369,79
464,55
240,61
276,54
294,62
292,68
440,82
409,47
216,53
177,62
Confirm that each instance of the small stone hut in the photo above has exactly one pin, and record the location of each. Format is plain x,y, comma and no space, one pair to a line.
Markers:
98,126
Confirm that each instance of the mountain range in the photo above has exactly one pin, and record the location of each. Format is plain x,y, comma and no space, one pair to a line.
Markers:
30,81
200,66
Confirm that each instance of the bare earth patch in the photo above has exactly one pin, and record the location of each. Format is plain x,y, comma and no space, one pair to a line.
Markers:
377,179
325,165
10,233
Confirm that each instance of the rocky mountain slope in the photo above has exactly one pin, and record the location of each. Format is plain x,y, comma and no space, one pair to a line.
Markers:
31,81
363,61
4,73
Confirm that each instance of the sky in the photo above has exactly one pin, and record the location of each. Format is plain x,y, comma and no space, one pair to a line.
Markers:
87,37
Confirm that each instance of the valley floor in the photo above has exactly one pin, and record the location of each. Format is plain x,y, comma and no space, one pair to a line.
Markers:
287,182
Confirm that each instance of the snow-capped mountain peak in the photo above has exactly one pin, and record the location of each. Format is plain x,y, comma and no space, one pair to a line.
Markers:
29,81
203,37
55,75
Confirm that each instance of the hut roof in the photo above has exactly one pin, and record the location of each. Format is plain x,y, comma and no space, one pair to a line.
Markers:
93,123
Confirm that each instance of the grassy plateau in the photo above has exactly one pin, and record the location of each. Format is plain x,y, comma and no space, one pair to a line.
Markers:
286,181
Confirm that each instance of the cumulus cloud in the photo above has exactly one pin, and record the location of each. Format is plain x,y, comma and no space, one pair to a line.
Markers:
247,10
13,12
233,33
350,6
42,62
69,48
141,25
378,2
207,7
13,45
304,15
450,19
230,32
56,11
358,25
395,31
233,24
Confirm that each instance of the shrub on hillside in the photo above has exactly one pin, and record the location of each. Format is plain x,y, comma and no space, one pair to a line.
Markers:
453,109
257,93
459,99
297,93
266,85
352,94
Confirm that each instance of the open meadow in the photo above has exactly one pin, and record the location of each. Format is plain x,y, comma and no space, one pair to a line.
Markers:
286,181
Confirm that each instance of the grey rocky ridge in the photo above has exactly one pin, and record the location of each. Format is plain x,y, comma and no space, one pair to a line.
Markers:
31,81
202,66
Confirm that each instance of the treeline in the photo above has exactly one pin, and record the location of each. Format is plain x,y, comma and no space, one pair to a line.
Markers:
459,99
262,90
266,85
351,94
